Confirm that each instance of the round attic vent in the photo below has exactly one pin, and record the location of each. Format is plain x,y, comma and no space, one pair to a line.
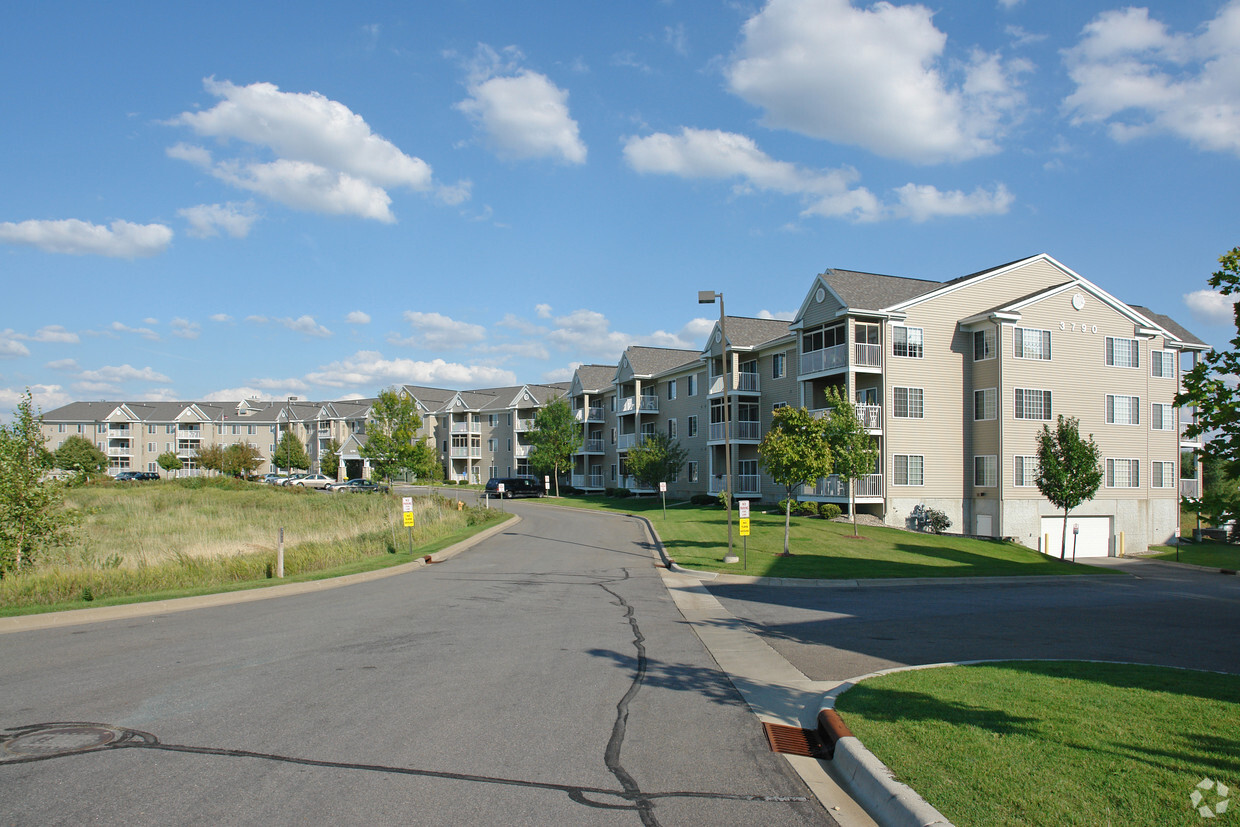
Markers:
820,295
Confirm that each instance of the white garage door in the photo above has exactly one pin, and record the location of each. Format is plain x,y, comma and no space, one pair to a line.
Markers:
1093,540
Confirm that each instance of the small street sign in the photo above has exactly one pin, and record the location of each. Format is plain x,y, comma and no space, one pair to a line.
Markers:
744,509
408,519
744,524
663,487
406,504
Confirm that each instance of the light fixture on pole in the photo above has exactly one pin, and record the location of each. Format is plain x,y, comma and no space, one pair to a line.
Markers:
708,297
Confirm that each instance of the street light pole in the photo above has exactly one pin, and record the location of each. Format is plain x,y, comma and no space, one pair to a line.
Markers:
708,297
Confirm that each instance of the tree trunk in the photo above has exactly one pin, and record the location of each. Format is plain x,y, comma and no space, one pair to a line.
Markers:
787,521
1063,537
852,504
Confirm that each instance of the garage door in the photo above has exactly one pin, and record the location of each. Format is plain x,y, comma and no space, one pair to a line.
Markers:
1093,540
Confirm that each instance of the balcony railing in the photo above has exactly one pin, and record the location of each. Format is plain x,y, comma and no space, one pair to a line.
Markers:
521,451
523,425
122,432
1190,488
591,446
589,414
747,484
587,480
742,430
119,452
639,404
631,483
466,427
829,358
465,452
868,356
870,485
745,383
626,441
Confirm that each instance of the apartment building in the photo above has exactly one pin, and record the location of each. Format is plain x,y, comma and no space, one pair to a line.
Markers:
953,380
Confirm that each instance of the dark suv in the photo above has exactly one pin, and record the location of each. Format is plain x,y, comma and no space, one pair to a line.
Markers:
513,487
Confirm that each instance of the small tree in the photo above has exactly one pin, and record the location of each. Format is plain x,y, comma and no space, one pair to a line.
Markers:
853,452
329,462
211,457
290,453
391,431
30,513
170,462
556,437
241,459
77,453
794,453
1069,471
425,464
657,459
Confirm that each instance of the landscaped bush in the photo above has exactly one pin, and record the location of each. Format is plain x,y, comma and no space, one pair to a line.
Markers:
937,521
829,511
703,499
807,509
621,493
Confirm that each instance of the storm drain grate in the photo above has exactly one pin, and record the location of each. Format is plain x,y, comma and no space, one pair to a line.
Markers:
793,740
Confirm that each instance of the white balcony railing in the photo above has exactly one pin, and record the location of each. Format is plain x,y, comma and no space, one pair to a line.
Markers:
465,452
626,441
466,427
748,382
587,480
868,356
829,358
743,430
589,414
1190,488
870,485
591,446
524,425
631,483
747,484
871,416
119,452
122,433
521,451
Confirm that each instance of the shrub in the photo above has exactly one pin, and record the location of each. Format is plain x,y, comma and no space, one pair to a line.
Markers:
937,521
449,482
621,493
703,499
808,509
829,511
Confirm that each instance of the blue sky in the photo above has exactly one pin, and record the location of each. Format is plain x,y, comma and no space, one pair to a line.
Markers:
226,200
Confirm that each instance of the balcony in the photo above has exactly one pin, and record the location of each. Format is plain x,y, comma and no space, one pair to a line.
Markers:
829,358
742,431
465,452
591,446
832,487
587,480
647,403
466,427
745,383
748,485
630,482
871,416
121,432
626,441
868,356
521,451
1186,419
523,425
589,414
1190,488
119,451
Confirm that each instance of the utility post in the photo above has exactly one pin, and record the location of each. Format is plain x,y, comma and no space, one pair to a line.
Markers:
708,297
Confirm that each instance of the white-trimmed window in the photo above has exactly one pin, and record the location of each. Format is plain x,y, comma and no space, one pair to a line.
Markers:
983,344
671,389
671,429
693,426
693,472
1032,403
1162,417
150,447
1123,473
1024,471
779,405
1031,343
101,428
908,403
986,471
1162,475
1123,410
909,469
985,403
1162,364
691,390
1123,353
779,365
907,341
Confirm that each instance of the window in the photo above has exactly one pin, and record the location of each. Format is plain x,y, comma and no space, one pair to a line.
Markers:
613,437
79,429
1123,353
1162,418
693,472
823,338
509,443
1032,404
779,405
1162,364
692,385
492,419
985,403
671,429
983,345
671,389
907,403
1162,475
150,429
693,426
236,429
251,429
170,429
909,469
150,447
986,471
1123,473
907,341
1025,473
492,445
101,428
613,472
1032,344
779,365
1123,410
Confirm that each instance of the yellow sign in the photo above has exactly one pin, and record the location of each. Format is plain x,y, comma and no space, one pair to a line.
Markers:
408,519
744,527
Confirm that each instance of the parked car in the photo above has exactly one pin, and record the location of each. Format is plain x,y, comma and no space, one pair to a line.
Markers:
292,478
513,487
147,475
276,479
126,476
357,486
314,481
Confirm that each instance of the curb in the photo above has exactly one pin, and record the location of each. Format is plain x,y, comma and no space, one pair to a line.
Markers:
75,617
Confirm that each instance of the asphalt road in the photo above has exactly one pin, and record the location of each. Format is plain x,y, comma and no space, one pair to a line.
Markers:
1157,614
543,677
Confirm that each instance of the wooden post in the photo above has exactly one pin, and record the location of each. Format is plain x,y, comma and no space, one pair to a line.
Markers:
280,555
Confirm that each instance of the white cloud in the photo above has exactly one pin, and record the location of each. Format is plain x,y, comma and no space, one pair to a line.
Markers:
120,239
434,330
543,311
144,332
1137,78
306,325
1210,307
69,365
158,395
522,113
221,317
588,333
44,397
56,333
186,329
369,369
306,186
357,317
10,347
782,315
306,127
876,78
208,220
115,374
921,203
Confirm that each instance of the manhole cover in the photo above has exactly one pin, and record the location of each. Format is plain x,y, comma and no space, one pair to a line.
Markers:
48,740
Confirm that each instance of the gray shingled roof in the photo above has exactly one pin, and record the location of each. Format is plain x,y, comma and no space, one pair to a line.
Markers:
745,331
648,361
595,378
1171,324
870,291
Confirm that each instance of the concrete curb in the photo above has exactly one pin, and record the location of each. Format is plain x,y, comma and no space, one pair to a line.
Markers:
75,617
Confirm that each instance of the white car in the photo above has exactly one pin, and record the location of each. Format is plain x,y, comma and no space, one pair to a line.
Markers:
313,481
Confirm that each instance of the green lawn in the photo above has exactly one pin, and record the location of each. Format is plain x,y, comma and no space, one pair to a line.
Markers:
696,537
1053,743
1213,555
